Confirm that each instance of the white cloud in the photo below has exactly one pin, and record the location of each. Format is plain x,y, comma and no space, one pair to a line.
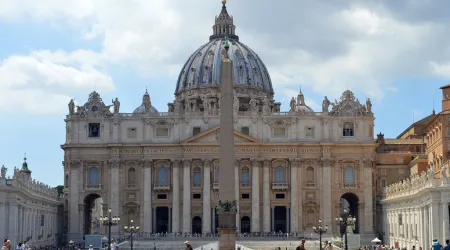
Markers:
43,81
441,69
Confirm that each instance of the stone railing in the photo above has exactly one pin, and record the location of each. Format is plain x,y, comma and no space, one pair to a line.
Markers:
34,187
415,183
200,113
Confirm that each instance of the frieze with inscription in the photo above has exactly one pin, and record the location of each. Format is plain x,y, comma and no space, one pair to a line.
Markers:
146,151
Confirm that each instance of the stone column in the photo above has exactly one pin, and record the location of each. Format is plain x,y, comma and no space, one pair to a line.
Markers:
255,227
266,196
294,200
115,192
206,196
420,226
176,196
148,187
236,194
326,195
434,214
187,196
272,219
13,223
154,220
368,200
75,179
426,228
445,222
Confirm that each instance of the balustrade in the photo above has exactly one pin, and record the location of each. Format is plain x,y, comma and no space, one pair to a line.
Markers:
280,186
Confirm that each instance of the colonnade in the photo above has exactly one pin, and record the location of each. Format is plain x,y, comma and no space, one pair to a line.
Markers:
418,225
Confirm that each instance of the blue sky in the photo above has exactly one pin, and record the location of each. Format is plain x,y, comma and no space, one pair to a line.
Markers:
394,53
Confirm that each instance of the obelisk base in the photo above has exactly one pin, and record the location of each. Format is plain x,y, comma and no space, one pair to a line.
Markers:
227,231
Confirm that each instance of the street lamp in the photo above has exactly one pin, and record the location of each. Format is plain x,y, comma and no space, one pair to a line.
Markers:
109,221
319,229
346,220
132,230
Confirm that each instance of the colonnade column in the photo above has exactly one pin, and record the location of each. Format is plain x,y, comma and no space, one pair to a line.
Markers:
420,226
294,201
148,168
434,217
176,196
115,192
426,228
187,196
255,225
2,218
445,221
206,196
13,223
236,194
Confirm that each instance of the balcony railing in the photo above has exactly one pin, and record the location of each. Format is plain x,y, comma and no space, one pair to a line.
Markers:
131,185
349,185
216,186
93,187
280,186
309,184
161,187
245,184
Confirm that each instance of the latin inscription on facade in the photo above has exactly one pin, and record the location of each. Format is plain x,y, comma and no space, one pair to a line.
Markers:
152,151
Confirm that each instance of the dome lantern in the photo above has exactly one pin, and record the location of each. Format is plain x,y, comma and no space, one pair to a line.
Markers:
224,26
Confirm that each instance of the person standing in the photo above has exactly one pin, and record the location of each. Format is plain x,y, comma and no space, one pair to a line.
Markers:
188,245
447,244
302,246
435,245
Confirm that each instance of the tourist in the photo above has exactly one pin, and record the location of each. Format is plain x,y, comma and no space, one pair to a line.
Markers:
302,246
7,245
447,245
90,247
435,245
329,246
188,245
114,246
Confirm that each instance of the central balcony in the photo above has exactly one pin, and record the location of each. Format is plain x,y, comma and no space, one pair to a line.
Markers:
280,186
93,187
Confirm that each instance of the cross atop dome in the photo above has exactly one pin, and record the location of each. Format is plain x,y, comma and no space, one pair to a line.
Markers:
224,25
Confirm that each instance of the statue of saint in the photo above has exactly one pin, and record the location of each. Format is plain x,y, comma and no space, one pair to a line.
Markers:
369,106
325,104
3,172
252,104
349,229
236,103
266,105
116,104
71,107
292,105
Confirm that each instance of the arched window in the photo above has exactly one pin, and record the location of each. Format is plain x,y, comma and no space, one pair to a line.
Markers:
310,177
279,174
131,176
349,176
217,176
197,177
93,176
162,176
245,176
348,129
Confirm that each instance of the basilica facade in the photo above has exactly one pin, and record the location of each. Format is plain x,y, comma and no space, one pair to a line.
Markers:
161,169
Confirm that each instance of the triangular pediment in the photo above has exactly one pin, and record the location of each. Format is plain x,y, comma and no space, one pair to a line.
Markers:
212,136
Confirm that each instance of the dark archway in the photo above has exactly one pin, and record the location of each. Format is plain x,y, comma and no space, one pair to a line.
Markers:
245,224
216,221
91,226
196,225
162,220
280,219
350,204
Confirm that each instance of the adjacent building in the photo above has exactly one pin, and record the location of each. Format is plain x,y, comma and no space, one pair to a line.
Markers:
416,209
29,210
161,169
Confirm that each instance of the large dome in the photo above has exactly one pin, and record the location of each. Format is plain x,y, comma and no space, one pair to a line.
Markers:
203,68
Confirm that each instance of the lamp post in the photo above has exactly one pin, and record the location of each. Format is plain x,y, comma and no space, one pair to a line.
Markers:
109,221
132,230
319,229
346,220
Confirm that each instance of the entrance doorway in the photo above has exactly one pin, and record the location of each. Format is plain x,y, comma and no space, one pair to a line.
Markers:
245,224
350,205
162,220
280,219
92,212
196,225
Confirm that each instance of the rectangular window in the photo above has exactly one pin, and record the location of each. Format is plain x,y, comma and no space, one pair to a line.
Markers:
94,130
245,130
309,131
279,196
162,132
348,129
245,196
195,130
279,132
197,196
162,196
131,133
197,178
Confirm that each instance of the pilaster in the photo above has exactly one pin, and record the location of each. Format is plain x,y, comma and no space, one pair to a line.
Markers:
75,181
445,221
294,201
148,186
114,185
236,193
326,195
176,196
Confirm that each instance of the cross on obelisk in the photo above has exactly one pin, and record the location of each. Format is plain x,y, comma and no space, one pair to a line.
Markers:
226,206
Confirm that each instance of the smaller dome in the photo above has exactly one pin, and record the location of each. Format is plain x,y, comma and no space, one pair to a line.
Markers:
299,105
146,106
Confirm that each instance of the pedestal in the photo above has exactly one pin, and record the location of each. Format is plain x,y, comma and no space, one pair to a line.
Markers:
227,231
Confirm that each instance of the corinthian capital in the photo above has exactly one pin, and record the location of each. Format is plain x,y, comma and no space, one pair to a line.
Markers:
206,162
75,163
237,162
255,162
327,162
187,162
114,163
266,163
295,162
147,163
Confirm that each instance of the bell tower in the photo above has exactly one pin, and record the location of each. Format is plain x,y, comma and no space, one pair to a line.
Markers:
445,97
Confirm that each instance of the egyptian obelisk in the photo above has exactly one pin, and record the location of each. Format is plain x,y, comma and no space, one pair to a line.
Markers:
226,205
